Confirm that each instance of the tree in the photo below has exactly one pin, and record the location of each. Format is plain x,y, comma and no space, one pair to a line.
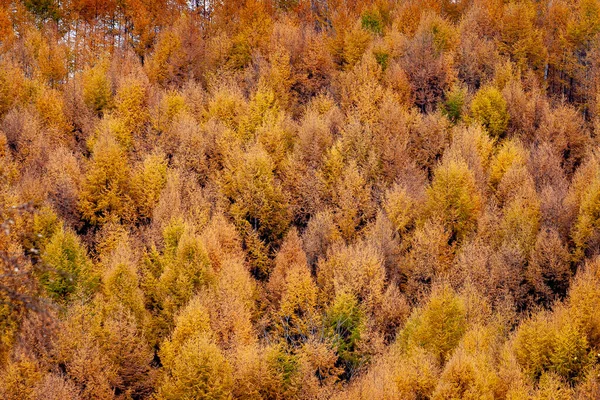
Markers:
520,38
585,228
21,295
200,371
511,155
121,284
193,320
355,42
144,17
521,217
105,193
254,194
130,106
427,66
51,108
344,324
489,109
438,327
400,208
345,187
293,291
163,66
454,104
44,9
19,379
70,270
453,198
549,269
148,183
552,344
103,351
583,296
357,270
97,91
185,268
372,20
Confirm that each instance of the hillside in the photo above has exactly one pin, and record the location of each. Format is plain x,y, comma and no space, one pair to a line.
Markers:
299,199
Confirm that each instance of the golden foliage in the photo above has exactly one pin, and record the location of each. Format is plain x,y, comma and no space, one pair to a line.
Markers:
105,193
489,109
97,91
438,326
318,199
199,371
453,198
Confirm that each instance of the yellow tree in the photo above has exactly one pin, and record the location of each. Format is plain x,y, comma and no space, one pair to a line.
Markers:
489,109
438,327
453,198
254,194
147,184
105,192
293,290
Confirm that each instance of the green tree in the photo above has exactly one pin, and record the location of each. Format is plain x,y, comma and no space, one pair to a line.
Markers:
454,104
68,267
344,324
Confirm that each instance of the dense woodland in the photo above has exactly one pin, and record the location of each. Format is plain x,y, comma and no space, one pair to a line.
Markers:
299,199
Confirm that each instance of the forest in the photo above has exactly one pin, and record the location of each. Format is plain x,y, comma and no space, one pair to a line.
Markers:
299,199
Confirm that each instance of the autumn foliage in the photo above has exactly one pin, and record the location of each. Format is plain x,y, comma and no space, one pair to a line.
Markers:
299,199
